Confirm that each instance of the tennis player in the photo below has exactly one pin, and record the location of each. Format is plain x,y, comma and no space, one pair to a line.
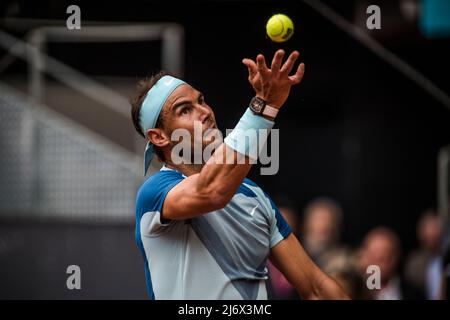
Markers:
206,231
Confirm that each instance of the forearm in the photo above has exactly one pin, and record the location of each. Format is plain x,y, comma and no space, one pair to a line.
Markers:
222,175
218,180
320,286
306,277
230,163
325,288
213,187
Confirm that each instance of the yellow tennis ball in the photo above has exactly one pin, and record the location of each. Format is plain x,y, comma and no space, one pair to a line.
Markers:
279,28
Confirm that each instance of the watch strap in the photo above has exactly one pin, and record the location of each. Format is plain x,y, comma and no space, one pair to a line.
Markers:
270,111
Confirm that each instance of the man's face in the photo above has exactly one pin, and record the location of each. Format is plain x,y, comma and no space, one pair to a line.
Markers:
321,230
430,232
185,108
380,251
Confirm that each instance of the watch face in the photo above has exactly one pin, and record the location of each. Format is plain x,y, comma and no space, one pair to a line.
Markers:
257,105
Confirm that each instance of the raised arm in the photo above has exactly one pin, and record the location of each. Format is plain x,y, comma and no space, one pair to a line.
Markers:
310,282
217,182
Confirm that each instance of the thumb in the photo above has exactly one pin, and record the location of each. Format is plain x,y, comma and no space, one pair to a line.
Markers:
251,65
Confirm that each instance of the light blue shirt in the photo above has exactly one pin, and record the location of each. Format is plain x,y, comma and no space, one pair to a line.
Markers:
218,255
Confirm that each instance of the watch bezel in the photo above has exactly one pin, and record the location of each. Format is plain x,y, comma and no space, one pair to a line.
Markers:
257,105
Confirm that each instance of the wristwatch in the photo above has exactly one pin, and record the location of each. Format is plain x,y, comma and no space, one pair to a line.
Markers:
259,106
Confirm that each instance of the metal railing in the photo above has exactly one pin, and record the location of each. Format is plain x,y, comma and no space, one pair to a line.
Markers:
51,167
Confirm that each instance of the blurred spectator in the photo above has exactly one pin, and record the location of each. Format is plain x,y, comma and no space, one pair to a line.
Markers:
321,238
279,286
321,231
423,268
445,279
381,247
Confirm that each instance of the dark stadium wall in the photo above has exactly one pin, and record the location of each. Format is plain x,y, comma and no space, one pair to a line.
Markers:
355,129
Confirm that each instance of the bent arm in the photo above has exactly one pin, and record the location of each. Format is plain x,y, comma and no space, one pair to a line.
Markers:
289,257
221,176
209,190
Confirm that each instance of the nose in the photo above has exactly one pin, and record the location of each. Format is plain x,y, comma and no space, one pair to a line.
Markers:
205,113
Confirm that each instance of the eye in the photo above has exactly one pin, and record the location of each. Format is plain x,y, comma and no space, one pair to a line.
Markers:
185,110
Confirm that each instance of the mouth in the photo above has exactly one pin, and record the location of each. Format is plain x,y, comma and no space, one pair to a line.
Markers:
209,131
210,125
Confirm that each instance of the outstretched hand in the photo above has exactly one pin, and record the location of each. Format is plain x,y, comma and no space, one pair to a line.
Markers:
274,84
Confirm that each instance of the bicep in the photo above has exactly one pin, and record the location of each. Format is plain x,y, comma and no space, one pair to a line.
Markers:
209,190
184,201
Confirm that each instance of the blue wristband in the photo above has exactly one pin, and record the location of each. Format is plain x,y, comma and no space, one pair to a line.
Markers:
250,134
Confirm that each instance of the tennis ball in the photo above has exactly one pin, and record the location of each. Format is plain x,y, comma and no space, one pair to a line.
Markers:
279,28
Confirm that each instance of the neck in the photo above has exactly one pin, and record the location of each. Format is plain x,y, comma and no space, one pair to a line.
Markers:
186,169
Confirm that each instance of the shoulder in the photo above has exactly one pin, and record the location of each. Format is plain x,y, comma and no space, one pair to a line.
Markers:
250,188
151,194
273,214
159,180
247,188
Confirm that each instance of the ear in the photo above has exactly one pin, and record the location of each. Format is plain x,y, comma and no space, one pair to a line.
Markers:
158,137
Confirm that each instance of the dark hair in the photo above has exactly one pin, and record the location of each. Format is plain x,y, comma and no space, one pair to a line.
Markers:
142,87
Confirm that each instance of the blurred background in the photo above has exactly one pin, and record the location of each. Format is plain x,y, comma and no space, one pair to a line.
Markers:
364,140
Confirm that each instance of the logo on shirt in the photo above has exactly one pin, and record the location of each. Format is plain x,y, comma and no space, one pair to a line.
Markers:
253,210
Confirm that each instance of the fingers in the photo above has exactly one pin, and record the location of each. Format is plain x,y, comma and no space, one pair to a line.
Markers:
252,69
276,61
297,77
261,65
289,64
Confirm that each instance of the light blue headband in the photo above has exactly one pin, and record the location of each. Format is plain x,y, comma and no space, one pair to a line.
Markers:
151,107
